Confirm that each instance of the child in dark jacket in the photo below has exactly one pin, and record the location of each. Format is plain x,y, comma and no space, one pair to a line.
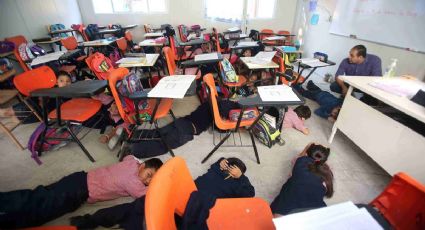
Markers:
329,104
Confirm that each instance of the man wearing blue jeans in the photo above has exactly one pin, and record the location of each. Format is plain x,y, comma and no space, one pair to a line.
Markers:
358,63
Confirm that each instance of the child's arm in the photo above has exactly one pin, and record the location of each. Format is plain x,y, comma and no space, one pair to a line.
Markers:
244,189
299,125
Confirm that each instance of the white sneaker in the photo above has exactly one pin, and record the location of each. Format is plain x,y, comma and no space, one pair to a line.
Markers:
116,138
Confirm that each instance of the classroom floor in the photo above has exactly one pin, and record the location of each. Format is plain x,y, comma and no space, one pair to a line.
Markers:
357,177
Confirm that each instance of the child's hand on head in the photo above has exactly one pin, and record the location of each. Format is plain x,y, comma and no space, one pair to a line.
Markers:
224,165
234,172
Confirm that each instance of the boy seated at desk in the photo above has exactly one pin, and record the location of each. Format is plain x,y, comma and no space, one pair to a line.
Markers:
224,179
294,118
26,208
329,105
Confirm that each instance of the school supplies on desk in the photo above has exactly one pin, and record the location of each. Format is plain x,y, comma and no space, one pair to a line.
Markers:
312,62
399,86
263,57
174,86
131,60
277,93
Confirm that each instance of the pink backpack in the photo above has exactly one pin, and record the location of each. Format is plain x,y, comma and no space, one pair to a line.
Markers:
25,52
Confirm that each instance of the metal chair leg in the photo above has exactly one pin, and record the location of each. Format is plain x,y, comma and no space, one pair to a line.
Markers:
162,140
254,146
172,115
216,147
75,138
10,134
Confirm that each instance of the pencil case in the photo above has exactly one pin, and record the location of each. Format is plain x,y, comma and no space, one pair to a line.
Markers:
248,114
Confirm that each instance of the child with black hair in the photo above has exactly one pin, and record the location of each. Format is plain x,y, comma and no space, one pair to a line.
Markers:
310,182
225,179
25,208
294,118
329,105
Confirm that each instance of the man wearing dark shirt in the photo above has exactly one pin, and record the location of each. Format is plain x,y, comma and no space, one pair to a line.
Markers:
358,63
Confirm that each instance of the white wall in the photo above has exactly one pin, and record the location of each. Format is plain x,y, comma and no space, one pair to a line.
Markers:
187,12
318,38
31,17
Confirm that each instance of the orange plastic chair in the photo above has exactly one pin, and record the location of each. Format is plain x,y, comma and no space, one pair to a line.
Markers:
402,203
233,86
217,44
76,110
161,107
182,35
122,45
129,37
225,125
267,33
172,67
18,40
169,192
100,74
288,40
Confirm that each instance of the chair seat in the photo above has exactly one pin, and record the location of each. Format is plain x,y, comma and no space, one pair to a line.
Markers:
7,95
78,109
241,82
67,68
241,213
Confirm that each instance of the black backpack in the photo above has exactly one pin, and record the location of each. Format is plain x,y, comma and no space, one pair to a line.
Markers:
92,32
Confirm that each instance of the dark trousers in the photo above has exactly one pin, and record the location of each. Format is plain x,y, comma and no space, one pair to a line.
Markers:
129,216
26,208
312,91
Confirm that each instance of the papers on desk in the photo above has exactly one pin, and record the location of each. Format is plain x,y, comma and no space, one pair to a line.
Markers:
312,62
263,58
47,58
275,38
174,86
131,60
399,86
205,57
277,93
340,216
247,44
233,29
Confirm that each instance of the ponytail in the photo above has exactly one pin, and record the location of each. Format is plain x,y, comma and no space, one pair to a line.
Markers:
320,155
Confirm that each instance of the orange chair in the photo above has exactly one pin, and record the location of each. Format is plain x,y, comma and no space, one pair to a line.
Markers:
133,47
183,52
233,86
161,107
172,67
95,59
288,40
122,45
402,203
223,124
286,73
76,110
18,40
217,43
169,192
267,33
70,43
182,32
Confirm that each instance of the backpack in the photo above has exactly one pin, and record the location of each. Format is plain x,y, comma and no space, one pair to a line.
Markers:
228,72
101,66
266,134
5,65
248,114
6,46
121,32
37,51
34,140
114,56
56,27
25,52
92,32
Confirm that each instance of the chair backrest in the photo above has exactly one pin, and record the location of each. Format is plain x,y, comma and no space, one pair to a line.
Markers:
169,58
182,32
212,95
40,78
288,39
278,59
266,33
94,62
122,44
173,47
70,43
402,203
217,40
115,76
148,28
18,40
168,193
128,36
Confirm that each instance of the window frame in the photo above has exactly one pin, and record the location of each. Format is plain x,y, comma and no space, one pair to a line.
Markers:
166,2
258,18
237,21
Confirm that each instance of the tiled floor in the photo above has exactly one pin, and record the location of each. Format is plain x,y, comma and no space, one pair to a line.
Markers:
357,177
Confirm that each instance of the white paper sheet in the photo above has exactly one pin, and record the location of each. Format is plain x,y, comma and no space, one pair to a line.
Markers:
399,86
263,58
174,86
313,62
131,60
233,29
277,93
154,35
204,57
47,58
275,38
247,44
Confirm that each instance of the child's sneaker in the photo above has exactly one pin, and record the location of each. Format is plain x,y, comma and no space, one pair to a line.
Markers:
116,138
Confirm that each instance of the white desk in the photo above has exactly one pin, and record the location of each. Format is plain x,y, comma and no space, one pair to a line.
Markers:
252,65
389,143
147,61
153,35
47,58
97,43
150,43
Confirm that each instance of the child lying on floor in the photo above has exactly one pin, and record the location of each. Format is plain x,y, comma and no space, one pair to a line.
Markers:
329,105
294,118
224,179
310,182
26,208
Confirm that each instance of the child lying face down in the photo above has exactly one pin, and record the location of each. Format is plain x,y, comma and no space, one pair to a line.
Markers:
25,208
294,118
224,179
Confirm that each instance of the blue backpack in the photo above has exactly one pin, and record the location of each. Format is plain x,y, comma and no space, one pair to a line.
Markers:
56,27
228,72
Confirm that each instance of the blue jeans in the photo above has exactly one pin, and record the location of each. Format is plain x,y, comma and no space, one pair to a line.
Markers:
335,87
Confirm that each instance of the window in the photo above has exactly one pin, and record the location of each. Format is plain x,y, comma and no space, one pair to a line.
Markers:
260,8
224,10
129,6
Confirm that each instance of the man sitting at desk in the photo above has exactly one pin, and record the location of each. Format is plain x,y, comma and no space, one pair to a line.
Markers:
358,63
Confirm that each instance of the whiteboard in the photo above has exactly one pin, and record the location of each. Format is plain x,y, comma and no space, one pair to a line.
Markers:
399,23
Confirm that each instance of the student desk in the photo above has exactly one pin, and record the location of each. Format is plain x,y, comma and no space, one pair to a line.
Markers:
395,147
148,62
228,38
150,43
65,31
153,35
302,66
75,90
50,42
194,44
129,27
190,63
259,67
97,44
242,46
47,58
108,31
